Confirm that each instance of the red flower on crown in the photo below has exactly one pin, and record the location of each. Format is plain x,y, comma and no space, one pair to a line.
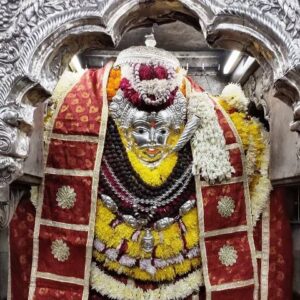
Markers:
148,72
131,94
160,72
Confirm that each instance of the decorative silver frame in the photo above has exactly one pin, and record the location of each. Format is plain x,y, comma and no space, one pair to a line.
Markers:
38,38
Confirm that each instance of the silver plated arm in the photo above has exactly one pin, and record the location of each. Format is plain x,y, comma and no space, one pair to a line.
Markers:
189,130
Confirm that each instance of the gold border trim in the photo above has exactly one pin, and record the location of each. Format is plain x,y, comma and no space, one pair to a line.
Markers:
67,172
75,138
96,175
265,254
227,230
200,211
35,249
60,278
248,228
62,225
232,146
232,285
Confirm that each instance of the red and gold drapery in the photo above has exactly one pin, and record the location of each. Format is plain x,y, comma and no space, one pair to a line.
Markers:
72,159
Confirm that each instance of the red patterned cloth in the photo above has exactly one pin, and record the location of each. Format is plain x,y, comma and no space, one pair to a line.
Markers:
21,240
281,258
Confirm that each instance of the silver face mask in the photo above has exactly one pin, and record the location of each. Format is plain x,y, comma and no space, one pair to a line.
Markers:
148,134
150,130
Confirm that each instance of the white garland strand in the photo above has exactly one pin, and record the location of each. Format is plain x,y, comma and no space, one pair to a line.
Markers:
210,157
108,286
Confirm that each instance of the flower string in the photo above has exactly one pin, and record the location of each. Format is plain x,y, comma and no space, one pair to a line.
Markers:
210,157
255,142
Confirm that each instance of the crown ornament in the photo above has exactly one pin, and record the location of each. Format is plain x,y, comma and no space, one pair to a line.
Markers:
148,54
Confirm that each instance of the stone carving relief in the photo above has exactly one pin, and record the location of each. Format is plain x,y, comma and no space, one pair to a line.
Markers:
37,37
257,88
287,12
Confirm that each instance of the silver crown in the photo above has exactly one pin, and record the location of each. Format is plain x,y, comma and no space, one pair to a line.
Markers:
147,54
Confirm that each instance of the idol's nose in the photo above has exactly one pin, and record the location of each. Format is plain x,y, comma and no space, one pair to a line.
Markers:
152,135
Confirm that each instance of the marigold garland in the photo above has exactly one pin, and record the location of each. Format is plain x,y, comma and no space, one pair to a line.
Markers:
254,140
168,243
112,237
113,83
165,274
156,176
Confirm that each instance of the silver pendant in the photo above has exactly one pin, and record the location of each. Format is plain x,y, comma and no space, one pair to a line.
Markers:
163,223
109,203
186,207
148,241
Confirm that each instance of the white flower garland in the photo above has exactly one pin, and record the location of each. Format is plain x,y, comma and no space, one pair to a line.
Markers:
235,97
251,159
210,157
108,286
262,190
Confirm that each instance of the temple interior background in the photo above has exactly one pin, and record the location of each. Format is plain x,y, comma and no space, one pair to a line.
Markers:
208,67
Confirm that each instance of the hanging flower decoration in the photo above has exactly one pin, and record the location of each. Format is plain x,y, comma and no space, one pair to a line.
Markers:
211,159
129,258
113,288
255,142
113,83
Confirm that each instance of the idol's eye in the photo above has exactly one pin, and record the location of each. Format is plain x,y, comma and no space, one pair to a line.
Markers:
141,130
163,131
